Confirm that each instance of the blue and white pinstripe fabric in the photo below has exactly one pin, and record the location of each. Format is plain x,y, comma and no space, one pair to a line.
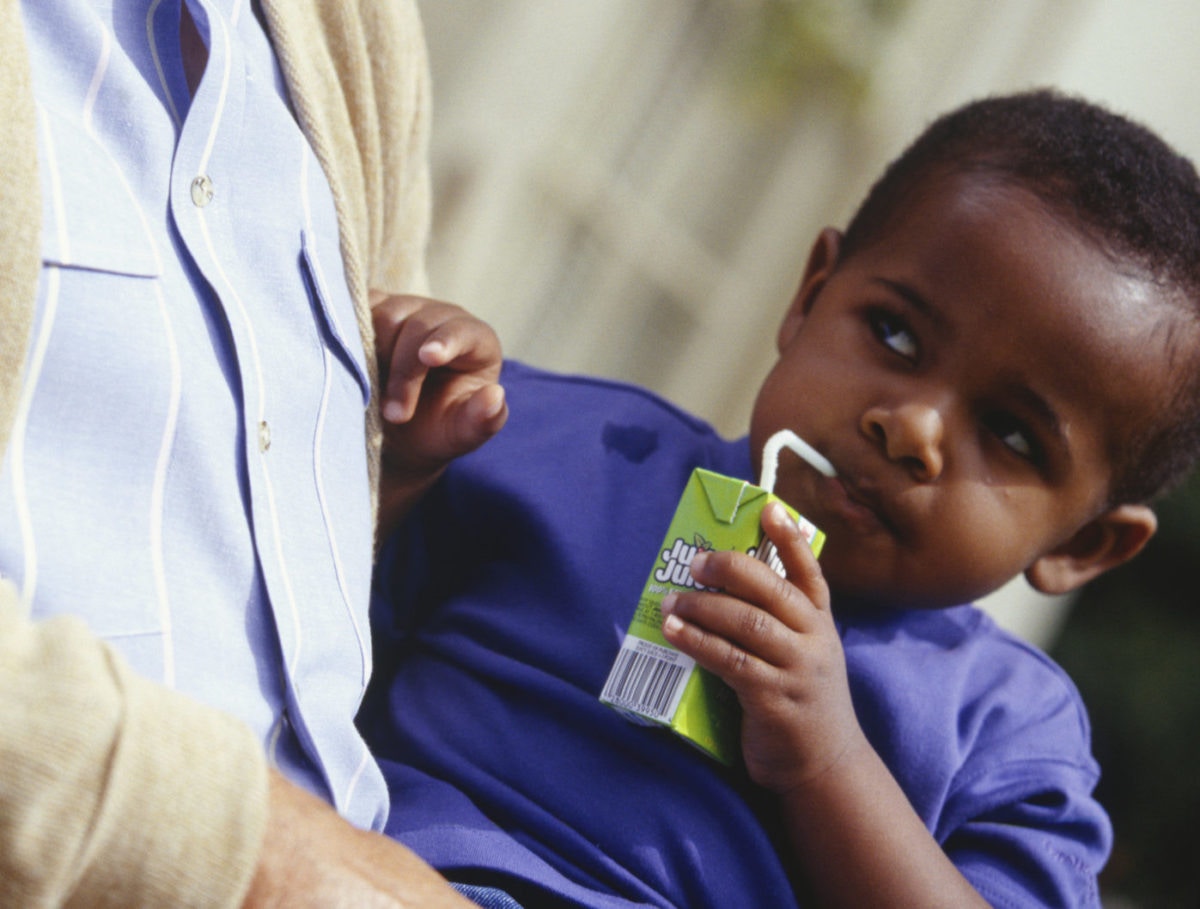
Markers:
188,468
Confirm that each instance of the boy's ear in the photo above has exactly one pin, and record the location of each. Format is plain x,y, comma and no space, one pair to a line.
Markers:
1105,542
822,259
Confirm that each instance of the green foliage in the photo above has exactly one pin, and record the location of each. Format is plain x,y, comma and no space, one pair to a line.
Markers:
802,48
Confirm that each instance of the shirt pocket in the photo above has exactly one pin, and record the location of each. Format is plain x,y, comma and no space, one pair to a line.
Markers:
336,312
90,218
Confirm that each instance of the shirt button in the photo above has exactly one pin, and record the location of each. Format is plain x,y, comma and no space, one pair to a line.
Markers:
264,436
202,191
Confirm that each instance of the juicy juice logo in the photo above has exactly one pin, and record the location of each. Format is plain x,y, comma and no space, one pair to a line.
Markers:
675,563
676,567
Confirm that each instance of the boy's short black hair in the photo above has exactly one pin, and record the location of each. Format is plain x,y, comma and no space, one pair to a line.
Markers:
1123,187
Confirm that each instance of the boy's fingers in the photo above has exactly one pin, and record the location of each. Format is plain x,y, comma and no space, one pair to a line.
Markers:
754,582
458,344
416,350
463,343
480,417
796,553
706,635
401,365
725,634
462,423
405,375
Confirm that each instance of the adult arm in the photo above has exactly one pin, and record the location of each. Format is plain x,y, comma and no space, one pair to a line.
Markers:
116,791
119,792
313,859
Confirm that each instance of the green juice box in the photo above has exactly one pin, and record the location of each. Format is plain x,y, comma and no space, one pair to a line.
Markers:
652,682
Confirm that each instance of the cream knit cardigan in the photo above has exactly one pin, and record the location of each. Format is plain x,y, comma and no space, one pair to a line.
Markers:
115,791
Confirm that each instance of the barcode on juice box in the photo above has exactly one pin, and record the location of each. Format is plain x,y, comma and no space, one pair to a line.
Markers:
647,679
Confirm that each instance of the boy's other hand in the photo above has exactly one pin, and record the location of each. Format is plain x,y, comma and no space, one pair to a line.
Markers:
439,369
774,642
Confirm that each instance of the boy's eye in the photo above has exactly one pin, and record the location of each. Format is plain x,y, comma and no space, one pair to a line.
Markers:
1015,436
895,334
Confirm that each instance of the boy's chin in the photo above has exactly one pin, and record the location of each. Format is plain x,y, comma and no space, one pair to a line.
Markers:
849,600
859,604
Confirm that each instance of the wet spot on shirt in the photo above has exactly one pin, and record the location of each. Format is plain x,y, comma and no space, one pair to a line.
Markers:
634,443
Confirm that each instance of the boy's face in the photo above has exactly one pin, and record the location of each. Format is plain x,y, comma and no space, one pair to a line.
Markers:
970,374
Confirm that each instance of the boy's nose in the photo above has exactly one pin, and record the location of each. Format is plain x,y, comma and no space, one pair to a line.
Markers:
911,434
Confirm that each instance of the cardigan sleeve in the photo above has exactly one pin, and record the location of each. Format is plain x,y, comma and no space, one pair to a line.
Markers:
116,791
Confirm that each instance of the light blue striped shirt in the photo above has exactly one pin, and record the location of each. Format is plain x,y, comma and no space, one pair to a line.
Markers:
188,467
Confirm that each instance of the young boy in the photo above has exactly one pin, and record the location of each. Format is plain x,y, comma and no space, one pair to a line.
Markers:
1000,358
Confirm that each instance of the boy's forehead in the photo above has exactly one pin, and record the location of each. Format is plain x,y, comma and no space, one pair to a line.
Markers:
953,199
996,246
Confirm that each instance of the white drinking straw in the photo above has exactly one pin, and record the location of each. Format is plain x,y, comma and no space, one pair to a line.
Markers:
785,438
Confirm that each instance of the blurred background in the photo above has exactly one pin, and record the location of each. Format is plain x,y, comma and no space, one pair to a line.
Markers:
629,188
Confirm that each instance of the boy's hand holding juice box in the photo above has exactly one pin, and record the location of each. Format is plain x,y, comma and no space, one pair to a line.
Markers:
651,681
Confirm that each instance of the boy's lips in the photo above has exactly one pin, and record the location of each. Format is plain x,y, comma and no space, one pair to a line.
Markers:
850,500
858,505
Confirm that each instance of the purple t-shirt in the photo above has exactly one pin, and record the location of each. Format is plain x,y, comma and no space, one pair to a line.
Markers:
500,608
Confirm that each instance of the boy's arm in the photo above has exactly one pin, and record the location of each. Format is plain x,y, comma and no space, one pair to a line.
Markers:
439,368
861,844
857,838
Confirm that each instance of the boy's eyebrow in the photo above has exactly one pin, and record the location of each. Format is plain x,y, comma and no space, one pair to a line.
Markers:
1043,412
911,296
